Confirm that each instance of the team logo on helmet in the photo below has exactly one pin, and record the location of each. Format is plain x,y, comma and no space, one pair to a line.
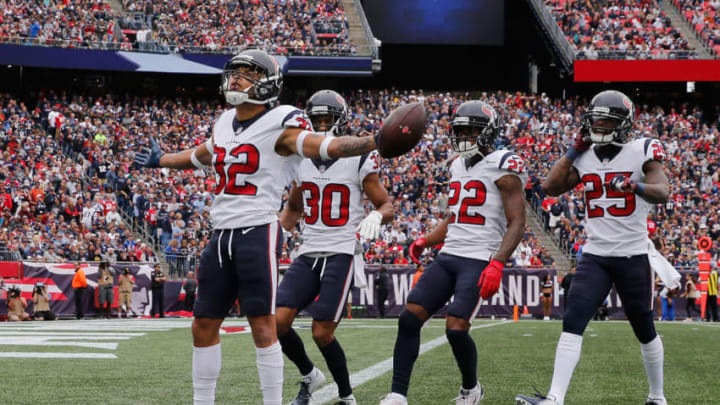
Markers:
489,111
627,103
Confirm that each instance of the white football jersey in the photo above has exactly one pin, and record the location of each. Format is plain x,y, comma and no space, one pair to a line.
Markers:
332,201
478,222
250,176
616,223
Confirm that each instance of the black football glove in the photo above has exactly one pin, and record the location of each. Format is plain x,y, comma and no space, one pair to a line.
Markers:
149,157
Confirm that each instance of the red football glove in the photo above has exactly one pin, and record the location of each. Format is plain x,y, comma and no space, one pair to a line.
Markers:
582,141
490,279
623,184
416,249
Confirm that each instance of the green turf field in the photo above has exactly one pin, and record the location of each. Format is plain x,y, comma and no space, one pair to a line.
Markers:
152,364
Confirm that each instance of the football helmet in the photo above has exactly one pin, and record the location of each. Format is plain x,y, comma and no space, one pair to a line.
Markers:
266,84
328,103
609,118
474,115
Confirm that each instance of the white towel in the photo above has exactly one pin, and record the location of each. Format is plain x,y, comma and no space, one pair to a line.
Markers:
359,267
663,268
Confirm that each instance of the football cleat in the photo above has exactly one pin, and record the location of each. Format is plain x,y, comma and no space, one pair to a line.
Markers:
309,384
349,400
536,400
471,396
656,401
393,399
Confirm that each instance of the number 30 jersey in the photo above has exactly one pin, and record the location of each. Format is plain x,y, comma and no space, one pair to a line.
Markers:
478,222
616,222
250,176
332,200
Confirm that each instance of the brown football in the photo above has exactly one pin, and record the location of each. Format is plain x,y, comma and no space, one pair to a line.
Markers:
401,130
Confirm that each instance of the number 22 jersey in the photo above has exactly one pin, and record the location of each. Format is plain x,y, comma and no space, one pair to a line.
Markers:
478,222
616,222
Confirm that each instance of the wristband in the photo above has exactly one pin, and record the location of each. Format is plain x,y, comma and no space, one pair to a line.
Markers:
300,142
324,148
572,153
209,145
640,189
195,161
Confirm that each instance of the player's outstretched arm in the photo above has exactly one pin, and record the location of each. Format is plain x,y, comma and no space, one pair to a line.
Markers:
562,177
513,199
312,145
154,157
293,209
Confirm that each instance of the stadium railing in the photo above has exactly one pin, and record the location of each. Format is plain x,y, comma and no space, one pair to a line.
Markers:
369,37
9,256
566,51
634,55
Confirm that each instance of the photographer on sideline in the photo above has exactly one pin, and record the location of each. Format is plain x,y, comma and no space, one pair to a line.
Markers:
125,286
16,306
105,284
41,303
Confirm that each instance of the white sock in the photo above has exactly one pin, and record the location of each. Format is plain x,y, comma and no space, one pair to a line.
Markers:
270,368
206,365
566,358
653,355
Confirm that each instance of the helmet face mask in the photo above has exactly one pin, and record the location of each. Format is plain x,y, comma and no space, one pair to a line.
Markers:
328,113
257,68
609,118
474,129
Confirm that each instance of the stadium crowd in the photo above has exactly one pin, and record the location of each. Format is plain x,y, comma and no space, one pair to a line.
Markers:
619,29
703,15
289,26
67,177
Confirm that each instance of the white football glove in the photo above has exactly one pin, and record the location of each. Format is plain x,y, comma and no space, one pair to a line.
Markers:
369,228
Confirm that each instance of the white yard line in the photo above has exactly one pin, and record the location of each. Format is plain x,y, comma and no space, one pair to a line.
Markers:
329,391
49,355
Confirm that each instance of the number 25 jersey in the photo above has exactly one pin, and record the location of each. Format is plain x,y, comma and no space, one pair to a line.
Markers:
616,222
332,200
478,222
250,176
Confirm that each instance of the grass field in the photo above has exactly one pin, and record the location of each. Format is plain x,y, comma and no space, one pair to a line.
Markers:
152,363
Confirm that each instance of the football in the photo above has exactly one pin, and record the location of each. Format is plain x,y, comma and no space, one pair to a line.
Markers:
401,130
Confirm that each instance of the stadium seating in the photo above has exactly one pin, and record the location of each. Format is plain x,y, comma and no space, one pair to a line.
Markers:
50,198
288,27
703,16
619,29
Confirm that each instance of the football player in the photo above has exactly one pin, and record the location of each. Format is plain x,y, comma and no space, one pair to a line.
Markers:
484,225
330,195
255,149
622,178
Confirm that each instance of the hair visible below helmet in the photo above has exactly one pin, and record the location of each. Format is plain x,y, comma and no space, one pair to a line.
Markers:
265,89
609,106
329,103
474,114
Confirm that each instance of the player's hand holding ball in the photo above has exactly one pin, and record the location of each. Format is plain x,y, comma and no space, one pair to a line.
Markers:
149,157
623,184
416,249
490,279
401,130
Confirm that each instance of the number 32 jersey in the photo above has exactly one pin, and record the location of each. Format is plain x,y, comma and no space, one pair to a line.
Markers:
250,176
616,222
332,200
478,222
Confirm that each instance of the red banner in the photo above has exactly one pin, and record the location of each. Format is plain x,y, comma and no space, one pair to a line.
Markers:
671,70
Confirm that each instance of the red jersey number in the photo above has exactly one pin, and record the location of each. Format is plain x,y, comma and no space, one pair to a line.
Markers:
321,206
475,200
227,182
594,181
